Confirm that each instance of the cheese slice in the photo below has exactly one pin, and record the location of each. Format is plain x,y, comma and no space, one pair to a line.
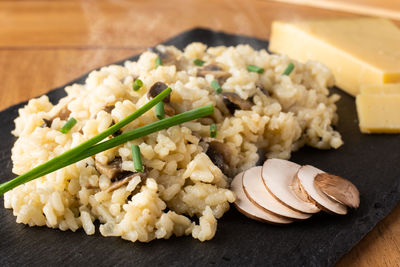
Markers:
379,113
389,88
357,50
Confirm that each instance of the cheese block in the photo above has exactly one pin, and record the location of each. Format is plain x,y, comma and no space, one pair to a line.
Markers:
389,88
357,50
379,113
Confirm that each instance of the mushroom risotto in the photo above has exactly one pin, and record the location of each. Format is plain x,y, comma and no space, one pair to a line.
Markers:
186,170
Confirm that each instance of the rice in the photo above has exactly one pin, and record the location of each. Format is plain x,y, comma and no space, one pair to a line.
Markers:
183,180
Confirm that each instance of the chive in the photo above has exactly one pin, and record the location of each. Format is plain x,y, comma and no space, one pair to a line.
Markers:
254,68
158,62
68,125
137,84
76,151
288,69
62,160
213,130
215,85
160,113
199,62
137,160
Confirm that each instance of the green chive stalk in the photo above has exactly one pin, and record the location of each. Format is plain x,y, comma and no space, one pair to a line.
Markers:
254,68
160,112
62,162
137,159
288,69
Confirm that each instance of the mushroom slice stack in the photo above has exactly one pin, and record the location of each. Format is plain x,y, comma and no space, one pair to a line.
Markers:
245,206
257,193
279,178
281,191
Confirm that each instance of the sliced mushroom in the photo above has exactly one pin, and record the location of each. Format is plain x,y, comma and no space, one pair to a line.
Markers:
119,183
46,123
215,70
166,56
206,120
233,102
220,154
246,207
156,89
338,188
63,114
262,89
279,178
108,108
169,110
112,169
306,176
257,193
220,108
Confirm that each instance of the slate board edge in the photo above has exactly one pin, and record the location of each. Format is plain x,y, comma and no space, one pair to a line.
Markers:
389,199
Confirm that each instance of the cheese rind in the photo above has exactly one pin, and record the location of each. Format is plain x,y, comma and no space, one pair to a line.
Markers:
378,113
357,50
389,88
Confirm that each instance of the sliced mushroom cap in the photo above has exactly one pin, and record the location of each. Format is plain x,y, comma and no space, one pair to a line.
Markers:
258,194
206,120
46,123
169,110
338,188
123,181
220,154
306,176
233,102
108,108
63,114
246,207
279,178
215,70
156,89
112,169
262,89
166,56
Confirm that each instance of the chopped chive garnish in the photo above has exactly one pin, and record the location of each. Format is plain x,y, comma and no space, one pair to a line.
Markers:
288,69
137,160
213,130
158,62
68,125
137,84
254,68
198,62
215,85
160,113
73,155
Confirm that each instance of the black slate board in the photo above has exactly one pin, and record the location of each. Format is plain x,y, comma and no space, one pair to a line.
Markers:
369,161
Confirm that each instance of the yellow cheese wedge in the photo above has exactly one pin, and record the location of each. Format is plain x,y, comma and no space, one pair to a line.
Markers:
357,50
379,113
389,88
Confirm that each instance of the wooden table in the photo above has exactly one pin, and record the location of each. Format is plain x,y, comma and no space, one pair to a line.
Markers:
44,44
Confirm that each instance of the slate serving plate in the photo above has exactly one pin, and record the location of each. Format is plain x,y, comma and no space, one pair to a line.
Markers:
370,161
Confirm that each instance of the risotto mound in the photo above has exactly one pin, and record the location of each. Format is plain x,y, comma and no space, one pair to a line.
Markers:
187,171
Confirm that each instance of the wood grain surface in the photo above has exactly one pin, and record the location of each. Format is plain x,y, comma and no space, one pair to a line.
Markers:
44,44
382,8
